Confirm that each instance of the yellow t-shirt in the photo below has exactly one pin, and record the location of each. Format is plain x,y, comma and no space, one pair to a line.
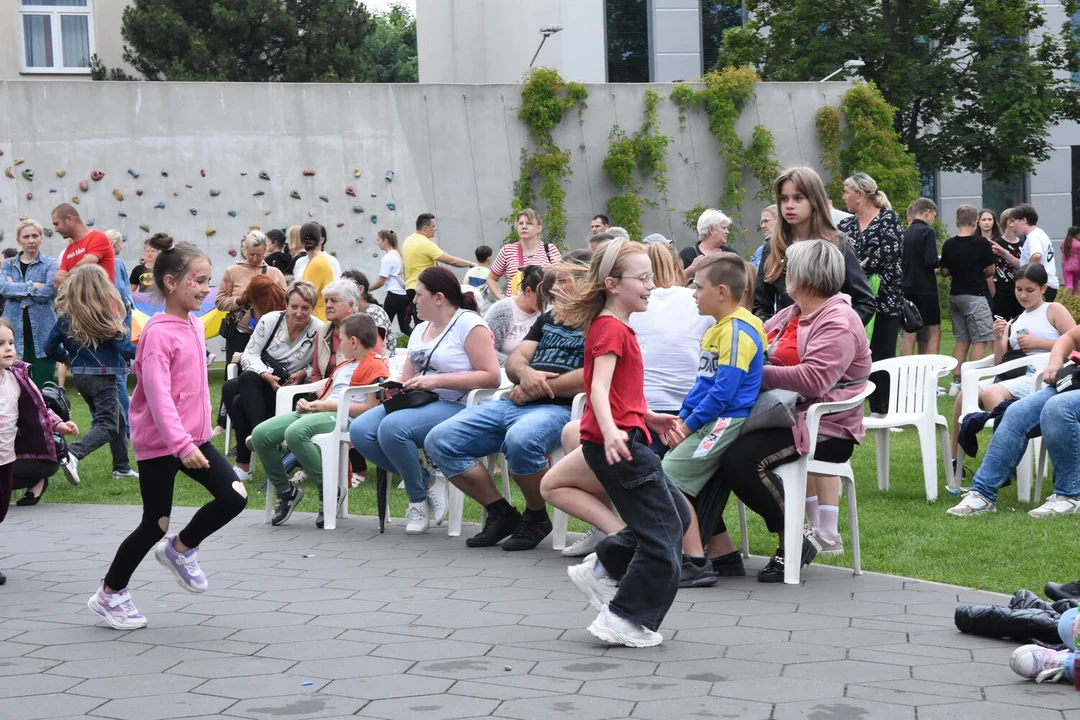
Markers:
418,253
320,273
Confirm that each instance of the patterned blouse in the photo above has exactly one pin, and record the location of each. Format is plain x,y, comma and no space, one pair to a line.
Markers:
879,248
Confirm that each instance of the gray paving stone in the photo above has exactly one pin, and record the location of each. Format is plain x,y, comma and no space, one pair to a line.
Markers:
39,684
9,648
498,634
704,707
849,637
787,653
285,634
258,686
896,697
851,671
429,707
732,635
578,707
432,650
843,709
160,707
719,669
301,705
132,686
776,690
646,688
50,706
516,687
354,667
929,687
795,621
471,668
986,711
231,667
595,668
971,673
382,687
316,650
1056,697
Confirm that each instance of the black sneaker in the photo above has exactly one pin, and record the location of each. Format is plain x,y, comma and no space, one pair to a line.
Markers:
774,571
285,506
730,565
497,527
530,530
3,578
696,576
1058,591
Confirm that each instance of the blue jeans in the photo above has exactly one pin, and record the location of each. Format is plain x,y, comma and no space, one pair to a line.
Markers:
393,441
1059,417
525,434
646,555
125,400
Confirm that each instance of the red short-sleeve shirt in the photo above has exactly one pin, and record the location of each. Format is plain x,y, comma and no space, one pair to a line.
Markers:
94,243
606,335
785,350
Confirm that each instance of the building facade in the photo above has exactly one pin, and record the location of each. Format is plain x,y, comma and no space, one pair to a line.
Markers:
55,39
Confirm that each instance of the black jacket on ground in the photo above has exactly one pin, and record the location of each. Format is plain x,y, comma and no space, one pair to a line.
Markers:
1028,618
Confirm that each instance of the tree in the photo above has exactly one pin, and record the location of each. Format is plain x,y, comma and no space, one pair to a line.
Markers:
976,83
245,41
391,46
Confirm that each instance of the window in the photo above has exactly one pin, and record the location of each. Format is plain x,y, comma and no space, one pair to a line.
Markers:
717,17
627,41
57,36
999,195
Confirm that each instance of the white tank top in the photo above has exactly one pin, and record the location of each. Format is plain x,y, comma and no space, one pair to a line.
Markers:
1036,323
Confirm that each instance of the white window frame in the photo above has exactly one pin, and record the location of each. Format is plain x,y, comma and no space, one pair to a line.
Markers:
55,12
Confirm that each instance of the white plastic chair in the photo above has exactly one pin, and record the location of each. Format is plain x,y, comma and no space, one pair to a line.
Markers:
231,371
970,375
913,383
793,475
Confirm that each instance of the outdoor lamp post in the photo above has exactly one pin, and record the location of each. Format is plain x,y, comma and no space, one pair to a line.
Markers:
547,31
849,65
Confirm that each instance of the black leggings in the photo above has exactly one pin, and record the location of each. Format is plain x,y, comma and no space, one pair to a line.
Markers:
883,347
156,479
236,344
249,400
399,306
29,473
747,469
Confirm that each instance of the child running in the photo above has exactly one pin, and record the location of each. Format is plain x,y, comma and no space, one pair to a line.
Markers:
644,558
360,365
91,337
170,414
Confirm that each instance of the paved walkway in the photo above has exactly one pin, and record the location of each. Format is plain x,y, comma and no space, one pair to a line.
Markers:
302,623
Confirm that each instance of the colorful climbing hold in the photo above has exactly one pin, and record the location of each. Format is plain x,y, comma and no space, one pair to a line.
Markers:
211,232
243,173
29,196
75,199
263,175
258,193
28,175
118,195
374,195
358,240
61,173
231,213
202,173
309,173
20,161
96,175
214,192
324,198
84,186
139,192
160,205
7,171
356,172
175,194
164,173
193,211
90,222
121,213
389,176
232,252
311,213
374,219
132,173
350,191
341,224
391,206
267,212
52,190
145,228
357,209
48,233
255,227
187,186
295,195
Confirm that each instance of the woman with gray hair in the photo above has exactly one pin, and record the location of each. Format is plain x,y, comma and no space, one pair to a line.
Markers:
341,297
367,303
712,230
817,348
878,238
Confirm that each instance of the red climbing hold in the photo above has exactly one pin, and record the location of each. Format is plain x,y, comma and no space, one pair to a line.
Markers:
350,191
84,186
96,175
309,173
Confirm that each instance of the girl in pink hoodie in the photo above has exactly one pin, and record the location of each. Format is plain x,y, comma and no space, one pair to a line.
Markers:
170,431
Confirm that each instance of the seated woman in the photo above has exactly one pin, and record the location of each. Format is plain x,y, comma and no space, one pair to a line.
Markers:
1035,330
360,365
449,354
368,304
278,353
1058,414
818,348
341,297
511,318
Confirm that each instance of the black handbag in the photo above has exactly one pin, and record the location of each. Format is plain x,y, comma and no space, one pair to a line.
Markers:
1015,372
231,321
417,398
912,318
277,368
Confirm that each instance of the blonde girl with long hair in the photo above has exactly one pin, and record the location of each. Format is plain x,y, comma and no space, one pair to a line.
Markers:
91,337
634,574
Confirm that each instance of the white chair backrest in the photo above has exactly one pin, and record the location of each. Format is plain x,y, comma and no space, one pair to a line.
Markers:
913,381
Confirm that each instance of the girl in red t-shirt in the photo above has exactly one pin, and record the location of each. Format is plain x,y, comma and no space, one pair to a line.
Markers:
634,574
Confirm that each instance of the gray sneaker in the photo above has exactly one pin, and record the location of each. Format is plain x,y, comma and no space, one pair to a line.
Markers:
283,510
184,566
973,504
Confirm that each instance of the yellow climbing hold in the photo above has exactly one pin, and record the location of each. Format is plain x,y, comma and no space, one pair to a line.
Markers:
118,195
7,171
211,232
20,161
254,227
75,199
61,173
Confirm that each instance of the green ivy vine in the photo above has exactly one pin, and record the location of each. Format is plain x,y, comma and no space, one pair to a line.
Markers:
725,94
545,100
646,152
873,147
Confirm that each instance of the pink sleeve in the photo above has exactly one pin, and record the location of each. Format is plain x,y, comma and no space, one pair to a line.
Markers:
829,352
156,380
500,264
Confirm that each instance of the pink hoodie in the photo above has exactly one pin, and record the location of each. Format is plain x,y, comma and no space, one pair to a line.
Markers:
832,349
170,410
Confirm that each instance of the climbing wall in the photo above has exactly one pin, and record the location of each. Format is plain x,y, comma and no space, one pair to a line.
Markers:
207,161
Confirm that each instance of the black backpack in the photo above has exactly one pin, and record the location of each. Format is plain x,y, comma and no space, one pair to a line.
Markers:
56,399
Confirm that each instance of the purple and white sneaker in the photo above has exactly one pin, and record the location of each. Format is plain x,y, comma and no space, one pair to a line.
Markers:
185,566
116,609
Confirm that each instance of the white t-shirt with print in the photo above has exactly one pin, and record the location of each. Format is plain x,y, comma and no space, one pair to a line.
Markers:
340,379
449,356
391,268
519,327
9,415
1038,242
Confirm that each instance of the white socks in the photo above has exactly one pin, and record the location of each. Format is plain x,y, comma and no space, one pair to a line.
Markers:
813,514
829,515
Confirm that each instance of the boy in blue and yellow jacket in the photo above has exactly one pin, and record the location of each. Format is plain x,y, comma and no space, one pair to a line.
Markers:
727,386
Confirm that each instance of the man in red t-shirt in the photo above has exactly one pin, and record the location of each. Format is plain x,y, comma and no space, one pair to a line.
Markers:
85,246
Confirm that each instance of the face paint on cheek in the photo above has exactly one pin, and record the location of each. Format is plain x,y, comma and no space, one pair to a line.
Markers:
192,284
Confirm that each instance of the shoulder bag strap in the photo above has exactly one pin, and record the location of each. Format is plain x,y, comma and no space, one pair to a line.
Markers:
427,363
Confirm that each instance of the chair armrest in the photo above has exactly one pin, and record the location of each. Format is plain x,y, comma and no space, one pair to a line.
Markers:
578,407
480,395
285,394
818,410
970,376
231,370
347,399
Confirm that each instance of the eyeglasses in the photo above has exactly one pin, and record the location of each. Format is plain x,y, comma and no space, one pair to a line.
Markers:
646,278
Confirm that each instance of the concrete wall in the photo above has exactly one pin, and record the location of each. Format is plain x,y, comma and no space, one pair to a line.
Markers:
492,41
108,43
454,151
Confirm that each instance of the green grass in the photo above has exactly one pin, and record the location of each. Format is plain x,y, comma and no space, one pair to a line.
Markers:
902,533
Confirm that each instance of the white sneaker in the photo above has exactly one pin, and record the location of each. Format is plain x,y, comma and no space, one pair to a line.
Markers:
437,496
70,466
941,391
973,504
298,477
825,546
954,389
416,518
1040,664
599,590
585,545
117,609
615,630
249,444
241,474
1056,505
121,475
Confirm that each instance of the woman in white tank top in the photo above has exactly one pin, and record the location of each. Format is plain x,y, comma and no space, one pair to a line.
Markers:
1033,331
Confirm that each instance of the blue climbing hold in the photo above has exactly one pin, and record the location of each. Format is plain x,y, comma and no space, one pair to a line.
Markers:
325,198
132,173
389,176
90,222
194,211
52,190
358,240
232,213
160,205
121,213
391,206
374,219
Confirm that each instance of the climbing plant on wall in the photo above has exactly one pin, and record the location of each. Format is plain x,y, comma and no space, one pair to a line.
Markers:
643,152
545,100
873,146
725,94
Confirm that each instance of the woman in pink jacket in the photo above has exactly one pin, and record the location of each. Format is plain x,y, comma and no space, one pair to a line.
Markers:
170,431
818,348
